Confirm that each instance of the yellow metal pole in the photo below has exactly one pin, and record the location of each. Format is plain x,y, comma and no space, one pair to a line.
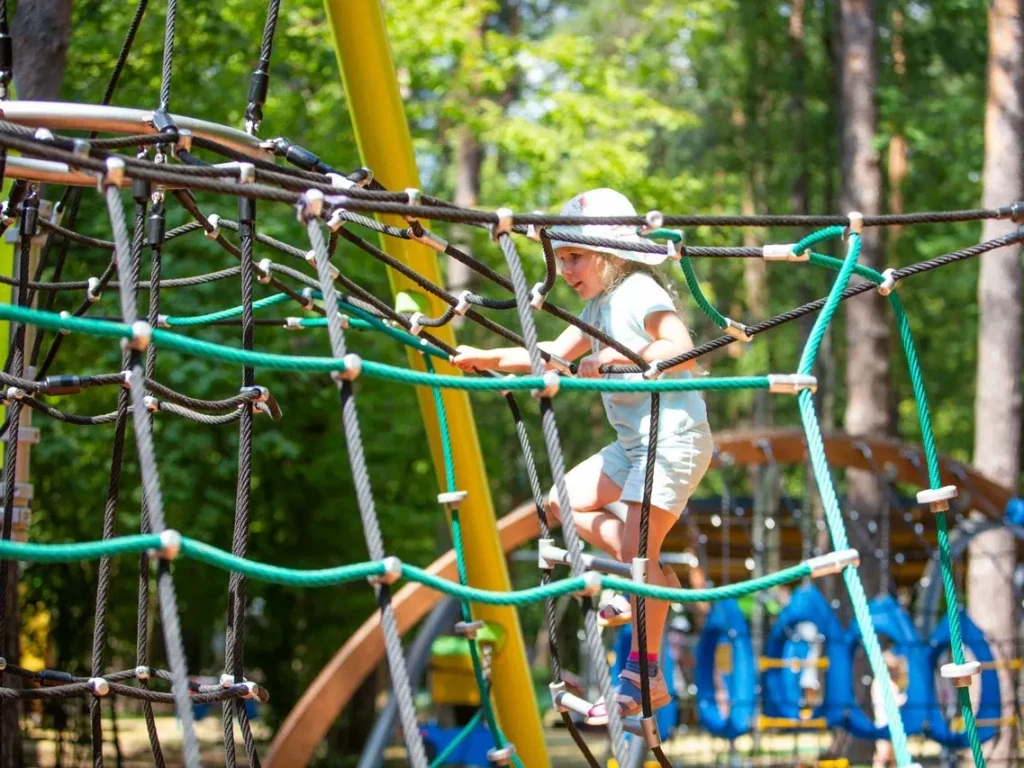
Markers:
382,134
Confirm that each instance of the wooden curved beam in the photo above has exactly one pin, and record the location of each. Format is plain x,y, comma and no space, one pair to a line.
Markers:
327,695
789,446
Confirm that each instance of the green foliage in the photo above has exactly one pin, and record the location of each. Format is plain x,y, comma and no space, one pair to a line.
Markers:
684,107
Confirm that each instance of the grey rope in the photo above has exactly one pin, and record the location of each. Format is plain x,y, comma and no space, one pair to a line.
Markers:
364,496
557,462
151,488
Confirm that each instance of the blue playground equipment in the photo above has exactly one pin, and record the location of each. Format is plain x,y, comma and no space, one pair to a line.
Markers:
726,624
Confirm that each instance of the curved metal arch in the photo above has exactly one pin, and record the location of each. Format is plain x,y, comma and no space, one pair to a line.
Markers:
788,446
61,115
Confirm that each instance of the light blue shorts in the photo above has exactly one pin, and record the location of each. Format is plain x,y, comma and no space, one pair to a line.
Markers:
680,463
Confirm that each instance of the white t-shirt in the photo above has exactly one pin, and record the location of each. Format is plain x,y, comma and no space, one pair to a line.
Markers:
621,315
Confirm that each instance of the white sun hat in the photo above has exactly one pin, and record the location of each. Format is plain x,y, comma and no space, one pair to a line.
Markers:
604,202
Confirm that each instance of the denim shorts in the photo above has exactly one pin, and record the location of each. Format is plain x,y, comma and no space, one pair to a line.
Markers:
680,463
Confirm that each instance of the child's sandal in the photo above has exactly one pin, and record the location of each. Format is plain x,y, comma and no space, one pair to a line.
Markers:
628,697
616,612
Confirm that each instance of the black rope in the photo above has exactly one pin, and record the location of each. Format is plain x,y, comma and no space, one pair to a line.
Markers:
259,84
545,575
28,231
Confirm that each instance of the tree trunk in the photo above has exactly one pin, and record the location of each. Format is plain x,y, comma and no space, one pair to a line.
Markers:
40,32
468,157
867,331
997,407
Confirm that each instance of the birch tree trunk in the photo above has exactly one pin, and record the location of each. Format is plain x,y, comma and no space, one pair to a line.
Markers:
997,406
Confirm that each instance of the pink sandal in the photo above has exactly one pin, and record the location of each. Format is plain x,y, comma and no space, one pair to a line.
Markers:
627,696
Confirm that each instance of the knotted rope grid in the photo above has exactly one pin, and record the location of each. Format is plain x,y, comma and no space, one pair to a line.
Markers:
325,199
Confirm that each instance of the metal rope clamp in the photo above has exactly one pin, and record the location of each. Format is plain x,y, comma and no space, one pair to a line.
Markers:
392,572
503,225
262,401
937,498
452,500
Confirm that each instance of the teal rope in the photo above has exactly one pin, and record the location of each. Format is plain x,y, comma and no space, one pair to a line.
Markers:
457,741
833,514
224,314
691,277
329,577
945,558
210,351
698,295
935,481
460,563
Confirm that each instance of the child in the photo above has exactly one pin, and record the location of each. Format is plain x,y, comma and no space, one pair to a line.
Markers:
626,299
884,753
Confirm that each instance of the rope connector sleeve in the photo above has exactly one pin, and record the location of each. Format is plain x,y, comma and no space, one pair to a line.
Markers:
184,142
833,562
392,571
311,259
307,294
737,330
653,371
463,304
937,498
543,546
649,728
114,174
453,499
557,690
99,686
353,367
336,220
142,673
265,270
65,315
339,181
427,238
784,252
888,285
960,674
226,680
552,382
310,206
413,196
469,629
93,290
416,323
170,545
791,383
142,333
292,324
502,756
537,296
856,222
591,584
504,224
532,230
653,220
151,403
639,570
214,231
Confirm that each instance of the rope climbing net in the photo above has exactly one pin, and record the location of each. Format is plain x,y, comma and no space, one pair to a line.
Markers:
327,204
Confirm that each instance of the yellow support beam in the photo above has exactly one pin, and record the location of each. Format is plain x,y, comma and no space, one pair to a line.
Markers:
382,134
